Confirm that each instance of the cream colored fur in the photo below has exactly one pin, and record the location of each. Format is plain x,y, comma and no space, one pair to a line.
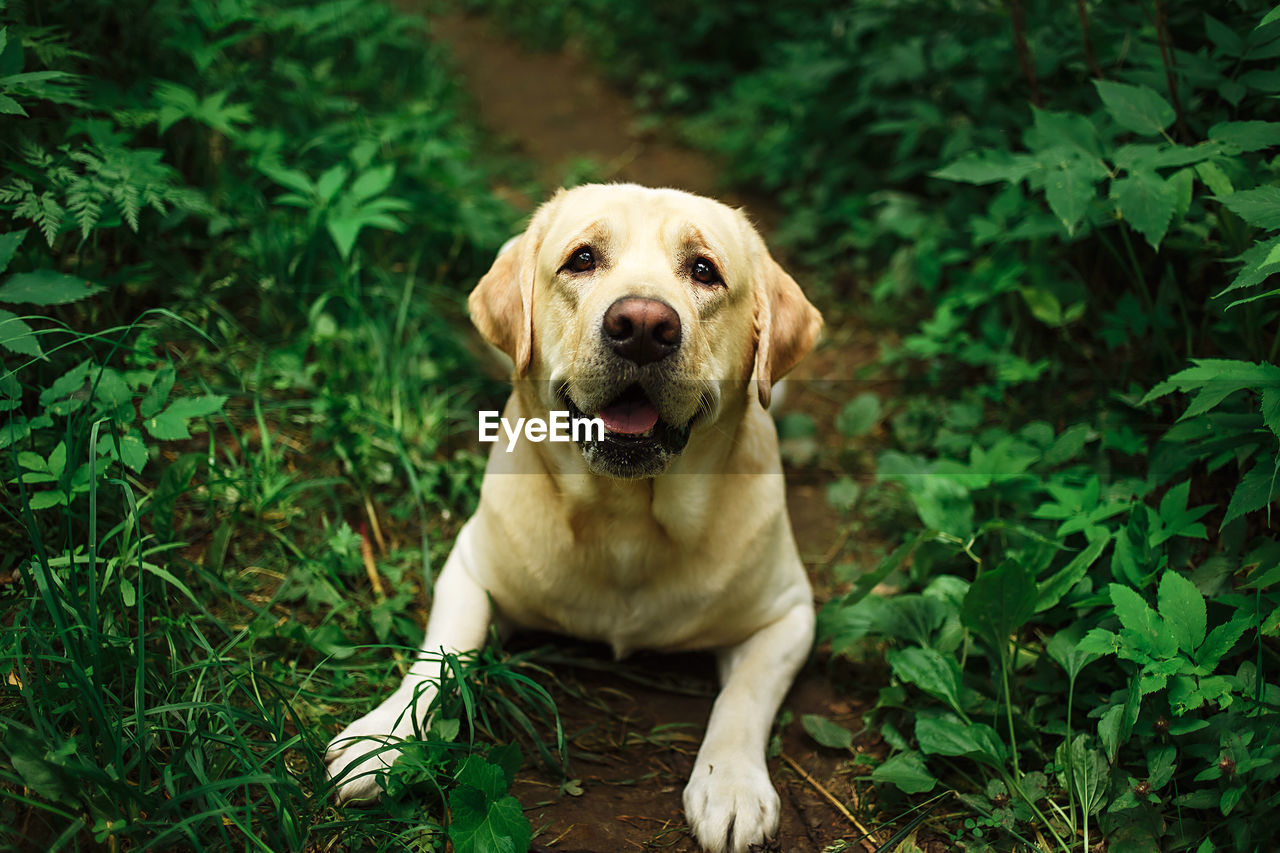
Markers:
700,556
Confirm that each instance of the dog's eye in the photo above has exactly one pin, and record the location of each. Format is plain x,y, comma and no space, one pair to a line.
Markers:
705,272
582,260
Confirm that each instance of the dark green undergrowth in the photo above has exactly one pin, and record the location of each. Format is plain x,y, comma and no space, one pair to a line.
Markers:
235,242
1068,215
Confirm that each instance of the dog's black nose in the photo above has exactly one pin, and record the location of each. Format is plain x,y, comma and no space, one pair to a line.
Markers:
642,330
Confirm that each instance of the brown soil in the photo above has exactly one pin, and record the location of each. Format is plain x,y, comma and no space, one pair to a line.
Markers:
635,726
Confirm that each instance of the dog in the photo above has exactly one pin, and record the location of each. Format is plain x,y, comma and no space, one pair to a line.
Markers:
661,314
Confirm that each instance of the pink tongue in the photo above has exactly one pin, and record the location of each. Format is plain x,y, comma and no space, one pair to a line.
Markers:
630,417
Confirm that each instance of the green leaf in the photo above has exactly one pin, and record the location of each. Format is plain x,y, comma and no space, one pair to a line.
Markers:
1183,609
859,415
1136,108
1146,202
481,826
1225,39
843,493
988,166
1176,519
1136,616
1064,648
371,183
1222,639
328,184
489,779
827,733
1069,191
931,671
172,422
158,393
1000,602
17,336
1271,409
949,735
1259,206
1086,773
1246,135
1256,490
1215,179
46,287
8,245
1051,591
907,772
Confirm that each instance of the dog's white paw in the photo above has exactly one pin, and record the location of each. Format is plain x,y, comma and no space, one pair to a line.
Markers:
362,751
731,805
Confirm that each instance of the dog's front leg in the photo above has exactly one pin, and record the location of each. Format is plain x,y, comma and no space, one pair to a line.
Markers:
459,622
729,800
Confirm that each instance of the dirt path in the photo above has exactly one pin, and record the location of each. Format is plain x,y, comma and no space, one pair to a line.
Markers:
635,726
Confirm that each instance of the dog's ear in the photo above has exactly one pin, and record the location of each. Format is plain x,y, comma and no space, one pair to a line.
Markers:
501,305
787,325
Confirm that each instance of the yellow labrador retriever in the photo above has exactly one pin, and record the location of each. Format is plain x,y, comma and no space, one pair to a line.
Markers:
662,315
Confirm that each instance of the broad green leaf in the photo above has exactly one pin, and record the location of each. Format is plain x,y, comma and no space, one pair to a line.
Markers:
371,183
1000,602
1259,206
17,336
907,772
1256,489
859,415
1146,202
1137,108
1072,131
1271,409
131,451
8,245
1069,191
931,671
1176,518
158,393
1225,39
328,184
1086,772
480,774
1064,648
1135,614
1109,730
1246,135
1222,639
827,733
46,287
290,178
48,500
1051,591
1183,609
172,422
1215,179
949,735
988,166
481,826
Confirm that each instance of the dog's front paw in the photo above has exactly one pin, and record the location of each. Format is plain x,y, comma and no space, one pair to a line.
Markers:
363,750
731,805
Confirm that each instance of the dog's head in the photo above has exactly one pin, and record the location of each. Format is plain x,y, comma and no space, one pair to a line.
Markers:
644,308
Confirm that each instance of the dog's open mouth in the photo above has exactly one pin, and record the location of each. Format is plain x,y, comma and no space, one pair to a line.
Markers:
637,442
631,414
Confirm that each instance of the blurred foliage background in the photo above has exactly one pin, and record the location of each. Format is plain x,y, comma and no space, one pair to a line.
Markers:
235,240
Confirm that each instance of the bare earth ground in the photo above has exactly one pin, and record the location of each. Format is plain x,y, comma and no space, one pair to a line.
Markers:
635,726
